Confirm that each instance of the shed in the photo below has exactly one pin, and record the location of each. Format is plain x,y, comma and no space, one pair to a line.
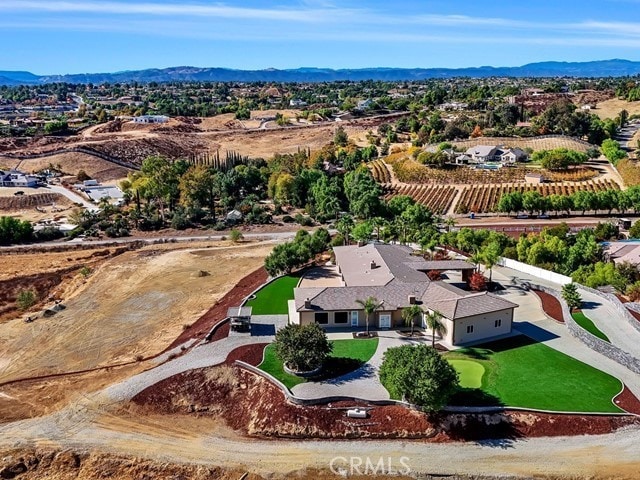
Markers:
234,216
534,178
240,318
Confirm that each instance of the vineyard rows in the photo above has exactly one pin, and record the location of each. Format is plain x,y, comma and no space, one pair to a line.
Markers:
438,198
380,171
484,198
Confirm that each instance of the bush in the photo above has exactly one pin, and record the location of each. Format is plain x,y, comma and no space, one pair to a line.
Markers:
235,235
47,234
304,220
26,299
180,221
478,282
571,295
82,176
302,347
288,219
418,374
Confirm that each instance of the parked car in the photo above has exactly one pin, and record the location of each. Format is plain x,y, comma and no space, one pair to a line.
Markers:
19,192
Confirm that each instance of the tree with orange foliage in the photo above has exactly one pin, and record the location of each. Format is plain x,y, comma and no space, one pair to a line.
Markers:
477,132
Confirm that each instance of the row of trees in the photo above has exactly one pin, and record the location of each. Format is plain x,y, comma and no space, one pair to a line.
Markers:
583,200
287,256
559,158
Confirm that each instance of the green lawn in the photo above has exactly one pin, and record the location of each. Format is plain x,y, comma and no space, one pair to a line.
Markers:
469,372
521,372
588,325
347,355
272,298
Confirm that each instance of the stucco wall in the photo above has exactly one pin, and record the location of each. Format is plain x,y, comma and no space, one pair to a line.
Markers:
294,316
310,317
483,327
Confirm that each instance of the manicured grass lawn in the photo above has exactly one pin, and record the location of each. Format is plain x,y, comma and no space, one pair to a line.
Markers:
347,356
521,372
469,372
588,325
272,299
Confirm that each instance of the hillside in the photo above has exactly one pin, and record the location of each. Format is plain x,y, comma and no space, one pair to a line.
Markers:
601,68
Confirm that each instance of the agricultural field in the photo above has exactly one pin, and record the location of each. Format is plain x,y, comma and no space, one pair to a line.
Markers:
547,142
380,171
438,198
484,198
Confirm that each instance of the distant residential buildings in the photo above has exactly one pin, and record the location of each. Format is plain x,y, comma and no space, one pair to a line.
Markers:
151,119
492,153
15,178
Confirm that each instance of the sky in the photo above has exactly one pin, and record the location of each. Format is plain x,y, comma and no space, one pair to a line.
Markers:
81,36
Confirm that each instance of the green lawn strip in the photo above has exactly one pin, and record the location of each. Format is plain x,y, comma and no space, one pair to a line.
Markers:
272,298
520,372
588,325
358,351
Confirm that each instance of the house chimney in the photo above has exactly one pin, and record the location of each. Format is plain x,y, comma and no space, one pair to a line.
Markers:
373,264
307,303
412,299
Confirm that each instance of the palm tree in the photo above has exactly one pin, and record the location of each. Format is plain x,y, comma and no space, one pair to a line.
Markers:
476,258
434,323
370,305
409,315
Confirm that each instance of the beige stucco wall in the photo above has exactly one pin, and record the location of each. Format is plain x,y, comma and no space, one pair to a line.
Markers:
294,316
483,327
310,317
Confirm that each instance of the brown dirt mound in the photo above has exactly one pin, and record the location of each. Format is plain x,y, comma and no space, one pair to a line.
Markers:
134,151
32,464
628,401
550,305
41,284
22,202
254,406
219,310
251,354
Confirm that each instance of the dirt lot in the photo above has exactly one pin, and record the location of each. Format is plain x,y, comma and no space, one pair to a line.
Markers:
131,306
72,163
33,205
611,108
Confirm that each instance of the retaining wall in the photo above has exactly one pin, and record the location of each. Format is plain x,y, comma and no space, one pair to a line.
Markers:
619,306
593,342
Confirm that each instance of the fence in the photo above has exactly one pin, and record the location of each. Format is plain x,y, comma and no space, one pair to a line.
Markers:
535,271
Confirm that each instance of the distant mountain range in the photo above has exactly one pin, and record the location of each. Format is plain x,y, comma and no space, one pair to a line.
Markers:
601,68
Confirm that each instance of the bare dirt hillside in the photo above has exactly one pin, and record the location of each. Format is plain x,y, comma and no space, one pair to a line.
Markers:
611,108
132,306
72,163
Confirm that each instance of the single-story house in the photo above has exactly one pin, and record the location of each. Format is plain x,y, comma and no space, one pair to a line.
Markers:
151,119
397,278
495,153
15,178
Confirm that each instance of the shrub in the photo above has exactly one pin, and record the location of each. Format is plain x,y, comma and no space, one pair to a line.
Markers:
82,176
235,235
571,295
420,375
478,282
304,220
288,219
26,299
302,347
180,221
85,271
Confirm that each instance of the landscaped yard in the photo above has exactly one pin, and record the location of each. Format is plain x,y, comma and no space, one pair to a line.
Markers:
347,355
469,373
521,372
588,325
272,298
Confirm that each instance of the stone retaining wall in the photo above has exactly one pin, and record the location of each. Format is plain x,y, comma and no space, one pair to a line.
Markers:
619,306
593,342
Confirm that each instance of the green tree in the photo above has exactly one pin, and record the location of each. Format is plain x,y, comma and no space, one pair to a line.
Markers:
369,305
490,256
410,314
302,347
571,295
362,192
340,137
433,321
420,375
199,188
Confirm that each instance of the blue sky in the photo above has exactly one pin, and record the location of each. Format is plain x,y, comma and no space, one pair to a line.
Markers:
75,36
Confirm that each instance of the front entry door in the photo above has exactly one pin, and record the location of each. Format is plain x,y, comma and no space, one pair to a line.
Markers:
354,319
385,320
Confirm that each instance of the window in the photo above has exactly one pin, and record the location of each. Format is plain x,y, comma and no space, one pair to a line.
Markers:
498,323
322,318
341,317
469,328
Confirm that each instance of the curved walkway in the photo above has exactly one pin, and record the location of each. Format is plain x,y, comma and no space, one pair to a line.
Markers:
362,383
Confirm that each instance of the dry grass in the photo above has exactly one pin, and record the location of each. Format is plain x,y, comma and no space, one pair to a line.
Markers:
72,163
133,305
611,108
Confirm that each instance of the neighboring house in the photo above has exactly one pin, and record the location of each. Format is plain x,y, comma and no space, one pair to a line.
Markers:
494,153
296,103
396,277
364,104
15,178
534,178
151,119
